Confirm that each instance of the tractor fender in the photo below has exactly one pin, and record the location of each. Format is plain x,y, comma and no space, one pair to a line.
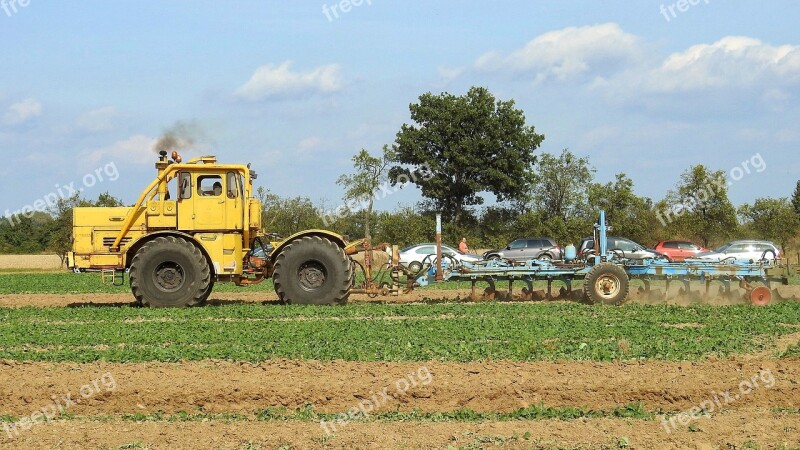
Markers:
138,244
337,239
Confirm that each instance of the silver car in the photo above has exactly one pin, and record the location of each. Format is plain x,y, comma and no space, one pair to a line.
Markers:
623,246
414,256
525,249
747,250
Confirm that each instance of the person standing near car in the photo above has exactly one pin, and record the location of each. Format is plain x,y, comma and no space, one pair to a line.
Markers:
462,246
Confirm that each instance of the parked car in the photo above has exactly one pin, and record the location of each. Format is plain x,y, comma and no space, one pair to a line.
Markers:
679,250
524,249
747,250
629,249
414,256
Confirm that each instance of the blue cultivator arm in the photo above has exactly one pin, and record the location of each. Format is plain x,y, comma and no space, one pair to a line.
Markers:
606,276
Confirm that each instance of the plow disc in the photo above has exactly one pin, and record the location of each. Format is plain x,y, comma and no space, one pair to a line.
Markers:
716,293
761,296
668,292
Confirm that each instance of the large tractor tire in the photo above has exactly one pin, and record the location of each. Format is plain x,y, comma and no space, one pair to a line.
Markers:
206,294
606,283
313,271
170,272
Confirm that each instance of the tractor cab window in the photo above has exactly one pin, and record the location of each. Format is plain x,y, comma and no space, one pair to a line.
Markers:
234,186
184,185
209,186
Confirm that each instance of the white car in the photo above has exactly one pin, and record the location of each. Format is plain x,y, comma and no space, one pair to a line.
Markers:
742,251
414,256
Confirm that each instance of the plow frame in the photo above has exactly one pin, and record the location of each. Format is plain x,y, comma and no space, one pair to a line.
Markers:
745,274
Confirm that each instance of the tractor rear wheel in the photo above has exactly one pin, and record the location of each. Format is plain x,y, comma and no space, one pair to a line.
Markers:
170,272
313,270
606,283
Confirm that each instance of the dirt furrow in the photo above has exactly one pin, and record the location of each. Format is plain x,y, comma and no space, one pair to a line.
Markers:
730,430
503,386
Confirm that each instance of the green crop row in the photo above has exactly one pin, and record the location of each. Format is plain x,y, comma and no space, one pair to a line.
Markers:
446,332
309,414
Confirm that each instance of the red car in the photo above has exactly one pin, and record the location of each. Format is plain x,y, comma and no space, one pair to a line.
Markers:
679,250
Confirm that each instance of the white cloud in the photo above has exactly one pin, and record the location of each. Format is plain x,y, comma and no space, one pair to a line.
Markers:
450,73
101,119
731,62
22,112
135,149
624,68
567,53
309,143
271,81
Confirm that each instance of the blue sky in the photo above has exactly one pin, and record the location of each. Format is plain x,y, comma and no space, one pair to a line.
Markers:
638,88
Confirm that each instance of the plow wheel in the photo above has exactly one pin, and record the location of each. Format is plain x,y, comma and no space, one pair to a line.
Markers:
761,296
606,283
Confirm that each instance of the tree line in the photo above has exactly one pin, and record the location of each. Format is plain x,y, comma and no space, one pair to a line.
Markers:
475,161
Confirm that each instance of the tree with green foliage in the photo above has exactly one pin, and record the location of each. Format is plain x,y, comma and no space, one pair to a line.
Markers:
47,231
560,186
286,216
462,146
699,206
772,218
362,187
25,233
628,214
796,199
404,227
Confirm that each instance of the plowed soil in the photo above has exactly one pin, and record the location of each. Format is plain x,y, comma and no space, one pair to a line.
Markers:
222,298
731,430
767,414
226,387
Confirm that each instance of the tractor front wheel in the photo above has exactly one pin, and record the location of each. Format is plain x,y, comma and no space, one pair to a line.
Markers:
170,272
313,270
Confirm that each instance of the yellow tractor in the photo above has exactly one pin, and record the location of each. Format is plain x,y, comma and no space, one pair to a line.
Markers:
198,224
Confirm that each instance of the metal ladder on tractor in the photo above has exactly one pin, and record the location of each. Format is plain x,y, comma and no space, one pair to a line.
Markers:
109,277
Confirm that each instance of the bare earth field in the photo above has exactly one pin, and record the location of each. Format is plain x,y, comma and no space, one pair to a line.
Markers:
220,404
755,425
30,262
217,387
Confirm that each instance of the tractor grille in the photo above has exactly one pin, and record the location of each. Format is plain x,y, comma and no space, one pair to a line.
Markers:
109,241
